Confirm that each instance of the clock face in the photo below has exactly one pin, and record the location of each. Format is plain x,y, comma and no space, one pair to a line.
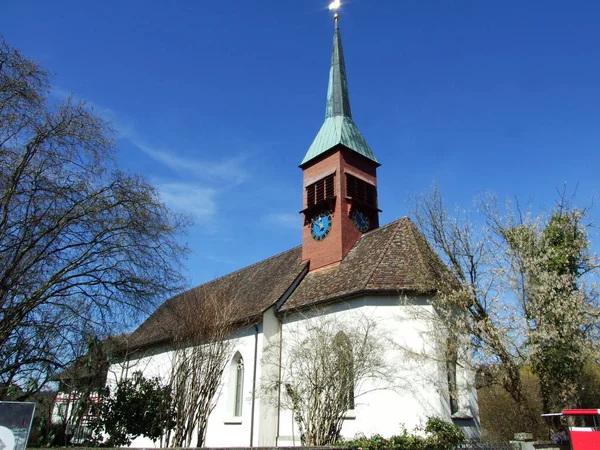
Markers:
361,221
320,226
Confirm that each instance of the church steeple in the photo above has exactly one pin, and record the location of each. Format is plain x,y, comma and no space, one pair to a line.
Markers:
338,100
340,176
338,128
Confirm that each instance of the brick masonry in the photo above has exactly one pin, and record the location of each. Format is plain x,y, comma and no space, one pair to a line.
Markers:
343,234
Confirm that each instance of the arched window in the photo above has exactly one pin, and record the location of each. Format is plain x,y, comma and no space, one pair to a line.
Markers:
237,384
345,364
451,364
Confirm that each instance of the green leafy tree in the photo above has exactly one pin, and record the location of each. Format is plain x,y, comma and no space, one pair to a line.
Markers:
521,287
137,406
551,259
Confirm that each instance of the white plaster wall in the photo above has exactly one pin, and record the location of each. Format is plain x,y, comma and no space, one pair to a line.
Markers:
224,429
267,386
153,362
468,404
419,388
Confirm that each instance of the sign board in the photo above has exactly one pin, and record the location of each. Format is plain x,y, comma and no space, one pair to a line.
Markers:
15,423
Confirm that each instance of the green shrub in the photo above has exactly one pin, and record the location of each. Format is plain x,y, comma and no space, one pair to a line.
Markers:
442,435
439,435
407,441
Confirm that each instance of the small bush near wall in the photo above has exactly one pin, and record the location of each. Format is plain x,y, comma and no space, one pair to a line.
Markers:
439,435
204,448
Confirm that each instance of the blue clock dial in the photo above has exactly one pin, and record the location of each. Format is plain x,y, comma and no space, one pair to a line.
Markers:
361,221
321,225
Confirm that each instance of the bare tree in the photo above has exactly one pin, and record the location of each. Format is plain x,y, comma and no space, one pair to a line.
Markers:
499,291
81,387
82,244
328,362
203,344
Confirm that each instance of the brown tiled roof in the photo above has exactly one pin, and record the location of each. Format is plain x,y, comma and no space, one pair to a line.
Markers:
253,289
392,258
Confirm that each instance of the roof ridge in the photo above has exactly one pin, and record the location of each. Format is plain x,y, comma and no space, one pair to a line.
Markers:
426,246
385,249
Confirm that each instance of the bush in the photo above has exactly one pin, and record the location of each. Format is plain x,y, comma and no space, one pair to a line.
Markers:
375,442
439,435
443,435
138,406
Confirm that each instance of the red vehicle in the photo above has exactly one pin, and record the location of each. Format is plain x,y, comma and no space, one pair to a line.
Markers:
584,428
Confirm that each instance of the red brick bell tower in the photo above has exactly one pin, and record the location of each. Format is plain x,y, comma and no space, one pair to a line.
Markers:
340,179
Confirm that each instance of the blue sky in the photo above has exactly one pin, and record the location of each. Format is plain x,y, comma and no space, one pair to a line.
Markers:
216,103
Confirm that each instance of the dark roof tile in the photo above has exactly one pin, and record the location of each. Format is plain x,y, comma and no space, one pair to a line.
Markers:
392,258
254,289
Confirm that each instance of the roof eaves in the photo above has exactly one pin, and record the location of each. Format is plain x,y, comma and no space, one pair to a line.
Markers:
242,322
350,296
338,130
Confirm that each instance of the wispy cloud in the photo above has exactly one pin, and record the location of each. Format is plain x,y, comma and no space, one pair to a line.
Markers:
195,184
217,259
196,200
232,170
286,220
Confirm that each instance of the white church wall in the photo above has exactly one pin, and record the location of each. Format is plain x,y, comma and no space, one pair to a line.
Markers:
267,390
467,417
152,362
416,393
224,427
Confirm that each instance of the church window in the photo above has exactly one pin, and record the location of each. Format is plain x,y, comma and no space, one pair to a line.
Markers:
320,190
345,364
361,191
452,387
237,384
451,365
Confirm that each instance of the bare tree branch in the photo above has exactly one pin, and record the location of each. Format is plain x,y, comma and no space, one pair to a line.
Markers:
80,241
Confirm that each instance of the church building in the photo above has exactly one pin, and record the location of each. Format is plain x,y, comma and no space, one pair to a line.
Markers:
348,267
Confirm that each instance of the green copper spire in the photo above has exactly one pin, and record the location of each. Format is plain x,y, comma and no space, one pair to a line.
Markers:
338,128
338,100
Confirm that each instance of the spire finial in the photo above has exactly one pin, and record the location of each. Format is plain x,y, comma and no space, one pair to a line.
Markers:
335,6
